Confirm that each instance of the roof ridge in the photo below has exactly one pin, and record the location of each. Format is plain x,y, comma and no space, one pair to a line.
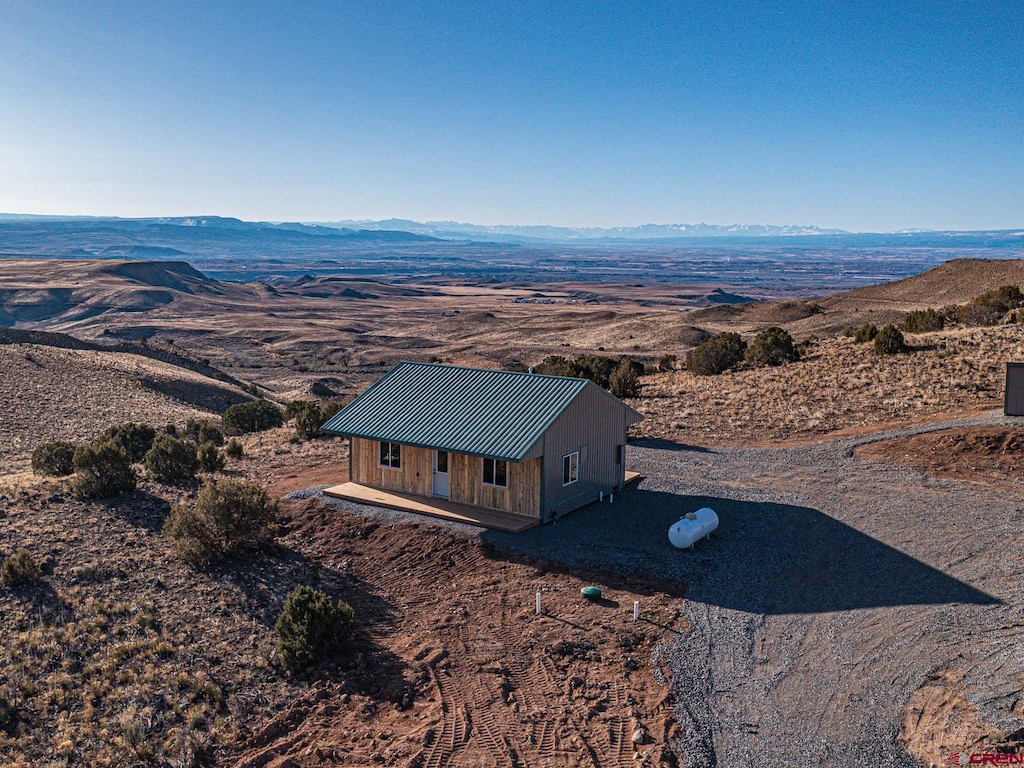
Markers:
492,370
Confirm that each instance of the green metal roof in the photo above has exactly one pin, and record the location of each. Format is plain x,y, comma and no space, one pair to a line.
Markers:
500,414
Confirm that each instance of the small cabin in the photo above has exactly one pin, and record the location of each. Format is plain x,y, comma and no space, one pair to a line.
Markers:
527,444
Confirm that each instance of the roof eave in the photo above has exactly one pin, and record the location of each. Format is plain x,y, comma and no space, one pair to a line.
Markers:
434,447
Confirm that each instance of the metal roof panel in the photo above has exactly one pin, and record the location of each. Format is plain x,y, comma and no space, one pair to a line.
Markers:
500,414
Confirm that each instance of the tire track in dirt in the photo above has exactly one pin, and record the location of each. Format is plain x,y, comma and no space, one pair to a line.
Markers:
444,746
491,683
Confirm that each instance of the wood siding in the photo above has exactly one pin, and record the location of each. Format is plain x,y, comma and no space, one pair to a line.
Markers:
416,476
521,497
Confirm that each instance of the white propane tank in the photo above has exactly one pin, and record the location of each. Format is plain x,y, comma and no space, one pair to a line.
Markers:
693,527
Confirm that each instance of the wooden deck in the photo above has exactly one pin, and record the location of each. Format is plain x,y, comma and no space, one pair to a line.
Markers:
442,508
631,477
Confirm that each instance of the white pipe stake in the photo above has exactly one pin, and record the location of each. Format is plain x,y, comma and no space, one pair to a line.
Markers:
611,498
601,497
636,610
538,603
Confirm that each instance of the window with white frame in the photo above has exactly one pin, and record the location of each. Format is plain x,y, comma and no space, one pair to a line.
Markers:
571,468
495,473
391,455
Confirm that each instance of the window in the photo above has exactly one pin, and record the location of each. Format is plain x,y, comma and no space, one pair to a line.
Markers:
391,455
571,468
495,473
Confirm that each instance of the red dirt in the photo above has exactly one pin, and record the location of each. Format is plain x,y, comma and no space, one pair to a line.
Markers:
461,670
979,454
306,477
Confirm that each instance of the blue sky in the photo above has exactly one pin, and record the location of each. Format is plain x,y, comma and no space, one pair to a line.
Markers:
869,116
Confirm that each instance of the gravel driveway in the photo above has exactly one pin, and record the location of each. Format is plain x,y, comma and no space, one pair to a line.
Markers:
831,590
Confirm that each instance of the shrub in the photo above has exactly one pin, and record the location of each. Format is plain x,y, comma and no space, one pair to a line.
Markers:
254,416
666,363
233,449
865,333
134,439
890,341
171,460
56,459
227,517
1009,295
293,407
8,714
210,459
308,419
20,568
311,627
102,470
923,320
597,368
201,431
991,306
772,346
624,381
330,409
716,355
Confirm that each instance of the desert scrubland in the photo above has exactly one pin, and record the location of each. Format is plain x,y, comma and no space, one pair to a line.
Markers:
123,654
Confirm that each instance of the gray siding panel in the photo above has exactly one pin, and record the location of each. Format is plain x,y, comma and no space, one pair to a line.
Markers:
1013,401
595,425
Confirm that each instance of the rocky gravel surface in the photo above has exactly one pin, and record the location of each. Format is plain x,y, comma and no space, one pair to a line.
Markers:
832,589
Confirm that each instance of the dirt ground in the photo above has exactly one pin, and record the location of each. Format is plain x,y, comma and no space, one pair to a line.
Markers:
480,679
979,455
451,664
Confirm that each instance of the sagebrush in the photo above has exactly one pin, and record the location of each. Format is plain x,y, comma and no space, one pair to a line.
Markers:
716,355
20,568
56,459
102,470
227,517
311,628
171,460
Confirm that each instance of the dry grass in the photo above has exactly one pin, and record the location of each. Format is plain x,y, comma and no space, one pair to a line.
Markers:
63,394
838,386
122,654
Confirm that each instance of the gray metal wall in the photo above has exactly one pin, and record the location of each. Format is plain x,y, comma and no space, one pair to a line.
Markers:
1013,401
595,425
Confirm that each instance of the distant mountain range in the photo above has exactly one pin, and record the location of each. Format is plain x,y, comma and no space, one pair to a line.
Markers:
232,249
185,237
459,230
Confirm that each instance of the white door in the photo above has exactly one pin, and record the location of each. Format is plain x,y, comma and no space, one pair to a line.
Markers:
441,474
